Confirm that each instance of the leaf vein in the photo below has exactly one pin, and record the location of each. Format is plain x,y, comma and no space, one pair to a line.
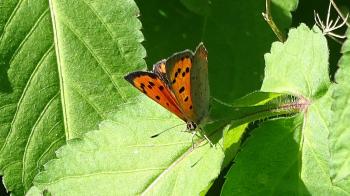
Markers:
108,30
24,93
32,132
99,62
27,36
7,105
13,13
103,173
100,113
47,149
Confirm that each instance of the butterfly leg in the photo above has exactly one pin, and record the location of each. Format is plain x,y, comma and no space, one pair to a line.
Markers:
193,134
203,134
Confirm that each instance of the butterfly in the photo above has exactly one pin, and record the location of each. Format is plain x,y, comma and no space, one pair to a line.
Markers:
179,84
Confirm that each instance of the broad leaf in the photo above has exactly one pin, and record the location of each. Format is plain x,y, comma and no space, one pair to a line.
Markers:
122,158
62,64
122,150
340,126
298,67
272,169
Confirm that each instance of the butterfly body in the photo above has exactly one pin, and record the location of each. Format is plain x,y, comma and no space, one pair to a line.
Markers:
180,84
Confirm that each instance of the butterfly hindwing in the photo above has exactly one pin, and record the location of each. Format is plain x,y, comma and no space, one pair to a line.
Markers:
156,89
188,78
200,83
160,71
178,69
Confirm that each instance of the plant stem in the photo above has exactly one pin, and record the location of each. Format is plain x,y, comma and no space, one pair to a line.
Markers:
268,18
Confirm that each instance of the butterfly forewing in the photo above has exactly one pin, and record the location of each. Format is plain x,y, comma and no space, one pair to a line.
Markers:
178,69
180,84
155,88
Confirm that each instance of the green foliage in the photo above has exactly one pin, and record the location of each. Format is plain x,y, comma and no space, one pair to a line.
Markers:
122,155
269,162
339,137
62,75
296,150
71,125
299,66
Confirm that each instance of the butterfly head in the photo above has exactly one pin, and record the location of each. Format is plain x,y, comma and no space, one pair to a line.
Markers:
191,126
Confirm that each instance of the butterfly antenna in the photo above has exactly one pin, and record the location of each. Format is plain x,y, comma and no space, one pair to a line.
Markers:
156,135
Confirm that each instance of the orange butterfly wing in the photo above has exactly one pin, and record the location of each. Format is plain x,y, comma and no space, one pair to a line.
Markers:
178,69
155,88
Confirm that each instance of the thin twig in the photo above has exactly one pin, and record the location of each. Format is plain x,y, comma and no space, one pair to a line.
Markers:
330,26
345,18
268,18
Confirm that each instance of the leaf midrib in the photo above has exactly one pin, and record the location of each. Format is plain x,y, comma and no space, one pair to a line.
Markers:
58,59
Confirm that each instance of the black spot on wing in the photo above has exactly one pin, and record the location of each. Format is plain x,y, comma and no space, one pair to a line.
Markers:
186,99
187,69
157,97
161,88
182,89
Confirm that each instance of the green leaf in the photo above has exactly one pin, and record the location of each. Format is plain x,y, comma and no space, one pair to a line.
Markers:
299,144
281,13
62,64
121,157
340,134
234,33
122,150
255,106
272,170
291,67
102,41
